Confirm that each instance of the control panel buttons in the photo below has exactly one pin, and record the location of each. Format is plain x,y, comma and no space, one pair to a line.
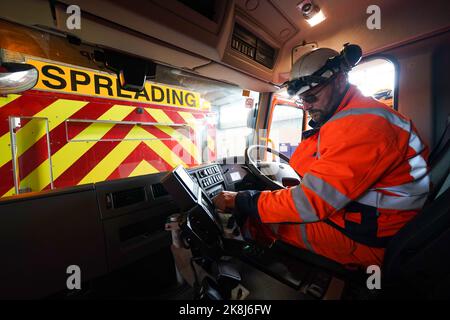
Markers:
208,177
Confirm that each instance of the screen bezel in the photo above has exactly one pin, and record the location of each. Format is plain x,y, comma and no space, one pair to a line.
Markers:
209,209
180,172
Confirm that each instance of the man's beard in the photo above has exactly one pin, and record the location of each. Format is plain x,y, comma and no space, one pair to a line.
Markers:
321,116
317,115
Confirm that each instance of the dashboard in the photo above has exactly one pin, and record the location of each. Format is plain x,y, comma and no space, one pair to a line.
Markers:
210,178
217,177
193,190
104,227
203,227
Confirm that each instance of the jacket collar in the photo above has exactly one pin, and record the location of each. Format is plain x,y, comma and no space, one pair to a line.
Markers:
351,93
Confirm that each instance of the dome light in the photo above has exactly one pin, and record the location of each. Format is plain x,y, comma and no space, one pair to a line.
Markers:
311,12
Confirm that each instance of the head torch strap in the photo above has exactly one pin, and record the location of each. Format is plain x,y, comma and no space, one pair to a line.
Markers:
294,86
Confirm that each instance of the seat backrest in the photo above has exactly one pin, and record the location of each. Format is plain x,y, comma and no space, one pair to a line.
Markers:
440,163
418,256
439,171
444,186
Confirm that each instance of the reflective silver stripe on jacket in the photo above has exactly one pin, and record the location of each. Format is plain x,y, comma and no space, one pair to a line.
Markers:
418,167
305,238
376,199
318,146
302,205
326,191
415,188
408,196
389,116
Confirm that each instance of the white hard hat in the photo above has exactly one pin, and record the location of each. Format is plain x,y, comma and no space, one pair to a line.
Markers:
308,71
311,62
318,66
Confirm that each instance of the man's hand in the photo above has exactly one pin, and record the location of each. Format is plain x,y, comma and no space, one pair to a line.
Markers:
225,200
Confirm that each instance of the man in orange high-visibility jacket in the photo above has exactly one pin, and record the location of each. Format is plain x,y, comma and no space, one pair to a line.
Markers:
363,168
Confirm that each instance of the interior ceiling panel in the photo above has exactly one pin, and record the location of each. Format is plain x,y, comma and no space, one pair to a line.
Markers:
339,14
401,20
267,15
404,17
223,73
102,34
180,29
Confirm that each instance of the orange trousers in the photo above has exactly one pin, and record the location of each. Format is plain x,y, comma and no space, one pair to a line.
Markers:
317,237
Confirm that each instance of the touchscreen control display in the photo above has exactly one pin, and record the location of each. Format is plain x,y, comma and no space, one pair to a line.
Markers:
187,180
187,193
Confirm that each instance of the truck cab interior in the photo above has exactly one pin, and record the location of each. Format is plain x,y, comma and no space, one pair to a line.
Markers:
147,229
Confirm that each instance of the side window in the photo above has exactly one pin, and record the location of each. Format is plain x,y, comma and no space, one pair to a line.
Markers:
376,78
286,128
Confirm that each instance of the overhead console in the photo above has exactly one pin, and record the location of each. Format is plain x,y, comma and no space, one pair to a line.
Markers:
254,44
252,47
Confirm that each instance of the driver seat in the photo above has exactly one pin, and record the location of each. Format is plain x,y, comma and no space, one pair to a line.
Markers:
417,259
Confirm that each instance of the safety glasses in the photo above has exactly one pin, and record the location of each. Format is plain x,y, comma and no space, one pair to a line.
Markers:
310,96
304,84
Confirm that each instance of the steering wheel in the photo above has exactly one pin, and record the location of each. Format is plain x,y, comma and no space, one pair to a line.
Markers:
275,175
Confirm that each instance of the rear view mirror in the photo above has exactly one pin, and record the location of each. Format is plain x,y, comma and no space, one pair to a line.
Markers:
17,77
132,72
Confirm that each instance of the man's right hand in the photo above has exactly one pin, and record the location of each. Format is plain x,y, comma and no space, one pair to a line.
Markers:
225,200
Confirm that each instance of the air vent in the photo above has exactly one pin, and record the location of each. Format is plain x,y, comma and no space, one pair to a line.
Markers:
145,228
252,47
206,8
158,190
126,197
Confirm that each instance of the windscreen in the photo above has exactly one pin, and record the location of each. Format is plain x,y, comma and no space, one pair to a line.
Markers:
227,133
77,126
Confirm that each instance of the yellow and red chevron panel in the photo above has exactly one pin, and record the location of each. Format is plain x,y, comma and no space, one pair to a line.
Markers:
94,139
211,140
